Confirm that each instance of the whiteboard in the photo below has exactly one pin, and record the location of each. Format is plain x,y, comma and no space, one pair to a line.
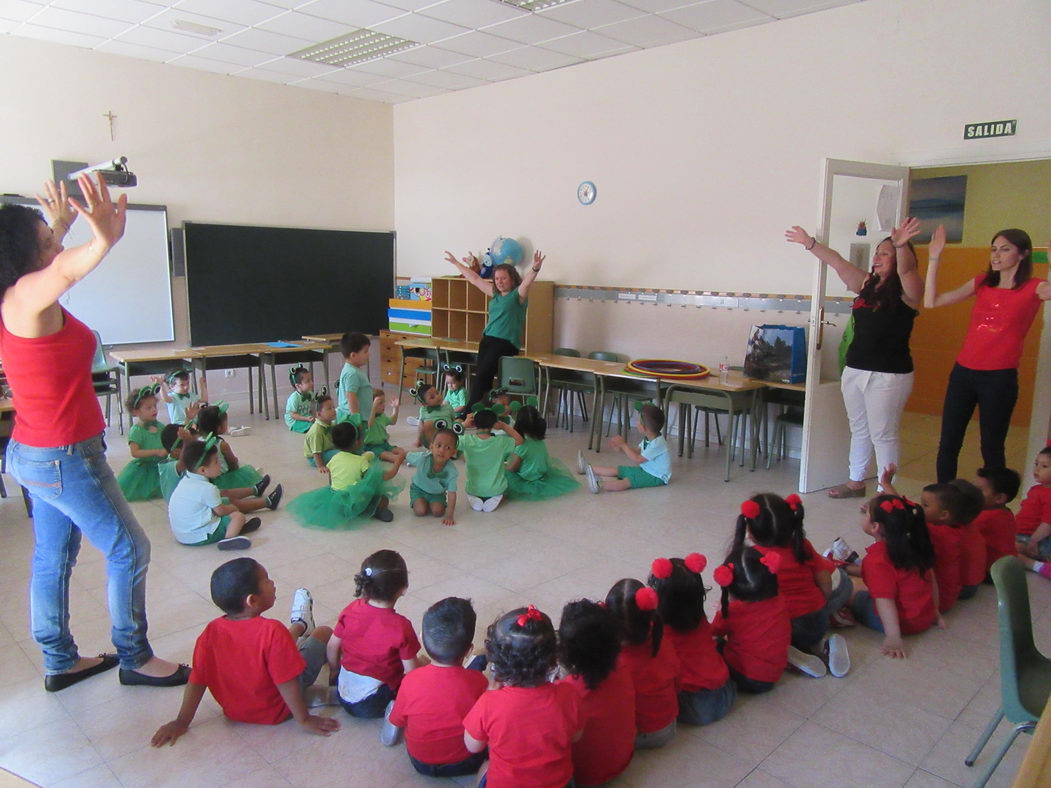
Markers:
128,297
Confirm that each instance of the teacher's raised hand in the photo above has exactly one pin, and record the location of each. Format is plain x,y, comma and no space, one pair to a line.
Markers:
908,230
106,219
55,202
797,235
538,260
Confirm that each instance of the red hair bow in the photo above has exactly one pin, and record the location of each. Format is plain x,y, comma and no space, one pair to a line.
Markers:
724,574
771,561
750,509
891,504
646,598
793,501
661,568
531,614
695,562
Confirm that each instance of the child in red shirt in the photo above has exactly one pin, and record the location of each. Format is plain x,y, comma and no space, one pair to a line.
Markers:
707,690
588,650
996,522
381,645
940,504
901,594
651,659
1034,518
753,622
434,699
529,723
966,506
812,587
254,666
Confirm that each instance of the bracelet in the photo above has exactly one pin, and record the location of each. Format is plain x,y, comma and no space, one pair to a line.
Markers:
896,246
536,270
813,243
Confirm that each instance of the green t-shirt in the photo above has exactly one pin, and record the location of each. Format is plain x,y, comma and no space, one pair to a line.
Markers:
534,459
485,457
300,405
377,431
443,411
506,317
142,437
318,439
456,399
435,482
355,380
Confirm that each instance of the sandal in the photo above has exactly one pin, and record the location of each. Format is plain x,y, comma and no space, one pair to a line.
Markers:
846,491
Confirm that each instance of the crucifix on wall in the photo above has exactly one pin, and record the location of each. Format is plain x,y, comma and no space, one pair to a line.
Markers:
111,117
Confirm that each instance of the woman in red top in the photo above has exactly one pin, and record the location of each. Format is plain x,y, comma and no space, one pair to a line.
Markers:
57,450
707,691
1007,298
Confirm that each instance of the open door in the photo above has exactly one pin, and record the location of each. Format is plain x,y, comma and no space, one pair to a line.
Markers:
854,192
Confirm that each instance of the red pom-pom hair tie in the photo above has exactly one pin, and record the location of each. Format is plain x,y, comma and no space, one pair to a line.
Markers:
695,562
531,614
724,574
646,599
661,568
891,504
750,509
793,501
771,561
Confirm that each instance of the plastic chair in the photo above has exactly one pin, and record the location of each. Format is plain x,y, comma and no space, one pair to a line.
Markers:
571,387
624,392
518,375
791,415
106,379
1025,673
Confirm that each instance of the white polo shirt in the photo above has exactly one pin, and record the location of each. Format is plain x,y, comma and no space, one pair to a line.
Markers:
190,509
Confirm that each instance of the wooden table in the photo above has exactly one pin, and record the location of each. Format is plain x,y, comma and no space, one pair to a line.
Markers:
147,362
235,356
302,350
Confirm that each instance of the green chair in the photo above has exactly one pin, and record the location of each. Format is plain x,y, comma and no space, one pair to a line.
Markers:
624,392
518,376
105,377
1025,673
571,388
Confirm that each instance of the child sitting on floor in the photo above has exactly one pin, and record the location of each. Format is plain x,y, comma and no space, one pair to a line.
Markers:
941,506
140,478
299,409
317,445
433,411
213,420
648,466
996,523
969,503
1034,516
434,699
183,405
376,439
433,488
256,668
485,454
532,474
455,393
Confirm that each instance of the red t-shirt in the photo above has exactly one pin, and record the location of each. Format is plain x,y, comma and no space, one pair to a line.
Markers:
702,666
1035,509
241,662
998,530
657,683
797,582
530,733
948,563
972,555
757,637
913,593
375,641
1000,319
50,379
608,717
431,705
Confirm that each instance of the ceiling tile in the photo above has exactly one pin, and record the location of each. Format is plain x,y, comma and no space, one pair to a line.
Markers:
18,10
473,13
59,36
479,44
358,13
535,59
653,6
124,10
372,94
170,18
419,28
243,12
488,70
135,50
296,67
588,14
311,28
265,41
265,76
204,64
418,90
448,80
389,68
587,45
531,29
786,8
7,25
316,84
432,57
76,22
410,5
351,77
163,39
236,55
715,16
647,31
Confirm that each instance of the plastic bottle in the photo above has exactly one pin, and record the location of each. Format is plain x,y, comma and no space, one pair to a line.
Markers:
724,370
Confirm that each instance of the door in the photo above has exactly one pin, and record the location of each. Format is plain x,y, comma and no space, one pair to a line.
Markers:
853,192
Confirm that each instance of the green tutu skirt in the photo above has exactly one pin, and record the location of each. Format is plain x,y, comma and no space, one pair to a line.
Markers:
242,476
557,481
140,481
300,426
347,508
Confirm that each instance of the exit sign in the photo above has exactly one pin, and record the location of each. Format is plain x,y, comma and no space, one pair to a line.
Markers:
994,128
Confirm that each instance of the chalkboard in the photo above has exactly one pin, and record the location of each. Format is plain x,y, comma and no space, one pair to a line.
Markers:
259,284
128,297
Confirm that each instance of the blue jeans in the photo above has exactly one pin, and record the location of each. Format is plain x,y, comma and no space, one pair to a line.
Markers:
469,765
808,630
704,707
75,493
373,706
863,606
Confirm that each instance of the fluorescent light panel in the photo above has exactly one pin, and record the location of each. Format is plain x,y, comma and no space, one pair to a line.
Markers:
532,5
357,47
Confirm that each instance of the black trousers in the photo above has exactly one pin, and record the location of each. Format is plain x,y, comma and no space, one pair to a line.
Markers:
490,350
995,392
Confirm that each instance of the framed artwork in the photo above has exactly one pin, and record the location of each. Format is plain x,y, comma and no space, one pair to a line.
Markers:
937,201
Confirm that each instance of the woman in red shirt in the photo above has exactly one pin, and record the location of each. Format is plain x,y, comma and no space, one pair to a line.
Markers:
1007,298
57,451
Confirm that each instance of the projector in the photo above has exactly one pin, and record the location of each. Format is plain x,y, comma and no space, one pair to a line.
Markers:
115,172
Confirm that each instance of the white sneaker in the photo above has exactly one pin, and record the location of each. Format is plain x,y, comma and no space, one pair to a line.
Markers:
389,734
476,502
490,504
807,663
593,483
235,432
412,421
839,550
582,466
838,656
303,610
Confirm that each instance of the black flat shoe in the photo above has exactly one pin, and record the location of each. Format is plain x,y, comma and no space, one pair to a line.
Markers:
176,679
261,485
60,681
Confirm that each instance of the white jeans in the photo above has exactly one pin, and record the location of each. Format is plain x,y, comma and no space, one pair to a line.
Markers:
874,403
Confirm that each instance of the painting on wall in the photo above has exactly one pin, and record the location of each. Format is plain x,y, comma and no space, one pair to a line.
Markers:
937,201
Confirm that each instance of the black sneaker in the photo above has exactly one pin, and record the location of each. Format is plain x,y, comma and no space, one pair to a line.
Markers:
260,486
251,525
235,543
384,515
274,498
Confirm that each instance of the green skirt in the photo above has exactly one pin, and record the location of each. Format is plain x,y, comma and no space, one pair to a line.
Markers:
346,508
300,426
242,476
140,480
557,481
378,448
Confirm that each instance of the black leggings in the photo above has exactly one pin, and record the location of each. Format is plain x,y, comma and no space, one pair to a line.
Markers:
995,392
490,350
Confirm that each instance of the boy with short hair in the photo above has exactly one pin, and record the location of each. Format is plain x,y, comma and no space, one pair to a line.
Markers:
1034,518
941,503
433,700
996,522
966,508
647,466
355,391
318,447
252,665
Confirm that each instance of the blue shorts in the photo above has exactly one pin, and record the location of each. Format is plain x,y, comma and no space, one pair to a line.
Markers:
863,606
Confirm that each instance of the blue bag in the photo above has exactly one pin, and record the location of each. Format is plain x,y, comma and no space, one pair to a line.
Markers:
776,353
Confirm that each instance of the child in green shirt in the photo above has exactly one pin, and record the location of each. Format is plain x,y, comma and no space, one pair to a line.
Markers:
485,454
432,411
433,488
455,393
376,439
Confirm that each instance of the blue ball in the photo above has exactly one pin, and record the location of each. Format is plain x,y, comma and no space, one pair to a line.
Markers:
506,250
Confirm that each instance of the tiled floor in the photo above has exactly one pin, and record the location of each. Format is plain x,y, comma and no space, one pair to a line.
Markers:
887,724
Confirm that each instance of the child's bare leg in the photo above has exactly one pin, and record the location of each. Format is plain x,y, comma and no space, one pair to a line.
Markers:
246,505
615,485
236,493
438,509
237,522
419,507
604,470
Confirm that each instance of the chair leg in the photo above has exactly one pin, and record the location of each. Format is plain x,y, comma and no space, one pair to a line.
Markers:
571,409
583,406
984,738
983,778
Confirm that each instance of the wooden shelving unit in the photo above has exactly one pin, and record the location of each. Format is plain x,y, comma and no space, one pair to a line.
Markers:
460,311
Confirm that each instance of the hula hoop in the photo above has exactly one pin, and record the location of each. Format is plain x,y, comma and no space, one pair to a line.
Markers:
668,369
